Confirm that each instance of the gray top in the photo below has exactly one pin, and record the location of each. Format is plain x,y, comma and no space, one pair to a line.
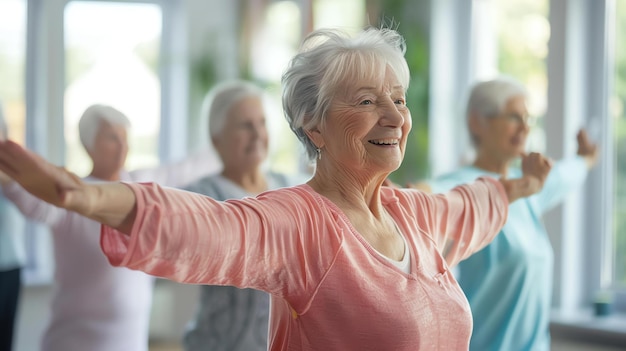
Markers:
229,318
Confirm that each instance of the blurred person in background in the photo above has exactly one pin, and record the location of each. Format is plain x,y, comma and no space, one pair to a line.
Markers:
229,318
509,282
12,259
96,306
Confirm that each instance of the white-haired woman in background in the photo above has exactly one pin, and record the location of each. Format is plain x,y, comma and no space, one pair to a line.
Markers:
96,306
229,318
509,282
350,264
12,259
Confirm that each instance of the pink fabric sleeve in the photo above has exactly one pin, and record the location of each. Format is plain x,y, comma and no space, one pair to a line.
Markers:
464,220
269,243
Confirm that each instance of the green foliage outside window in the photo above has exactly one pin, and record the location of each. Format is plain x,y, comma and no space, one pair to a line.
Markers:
619,135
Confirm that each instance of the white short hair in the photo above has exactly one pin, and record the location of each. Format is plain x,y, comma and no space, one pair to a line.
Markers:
487,99
92,118
330,60
222,97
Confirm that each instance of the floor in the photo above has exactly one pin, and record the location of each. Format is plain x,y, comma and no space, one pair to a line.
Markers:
557,345
165,347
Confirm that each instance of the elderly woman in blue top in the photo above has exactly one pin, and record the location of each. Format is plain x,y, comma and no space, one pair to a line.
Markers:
12,259
509,282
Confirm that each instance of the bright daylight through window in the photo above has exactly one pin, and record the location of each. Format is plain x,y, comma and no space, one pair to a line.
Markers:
113,65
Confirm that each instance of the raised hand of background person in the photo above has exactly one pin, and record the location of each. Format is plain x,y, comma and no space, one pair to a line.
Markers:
536,165
535,170
587,148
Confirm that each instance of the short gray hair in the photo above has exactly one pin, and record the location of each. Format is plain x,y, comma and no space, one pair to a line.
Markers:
488,98
329,60
89,123
222,97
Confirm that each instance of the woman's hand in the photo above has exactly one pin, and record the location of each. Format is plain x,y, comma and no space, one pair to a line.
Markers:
587,149
535,170
44,180
536,165
5,179
112,204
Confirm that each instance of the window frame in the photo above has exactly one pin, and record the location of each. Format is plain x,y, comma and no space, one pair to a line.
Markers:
44,95
578,66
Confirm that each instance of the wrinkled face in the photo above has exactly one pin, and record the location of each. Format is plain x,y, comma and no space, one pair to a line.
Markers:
110,147
367,126
505,135
243,142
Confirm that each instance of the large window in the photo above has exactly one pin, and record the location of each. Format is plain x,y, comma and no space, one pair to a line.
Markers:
618,114
522,33
274,39
12,60
112,57
272,45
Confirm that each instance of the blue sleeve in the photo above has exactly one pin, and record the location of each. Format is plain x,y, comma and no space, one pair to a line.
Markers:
566,176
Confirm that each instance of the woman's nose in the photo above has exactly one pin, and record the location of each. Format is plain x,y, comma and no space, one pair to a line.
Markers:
258,131
391,116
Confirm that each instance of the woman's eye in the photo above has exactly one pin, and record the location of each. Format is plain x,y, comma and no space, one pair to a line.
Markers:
400,102
366,102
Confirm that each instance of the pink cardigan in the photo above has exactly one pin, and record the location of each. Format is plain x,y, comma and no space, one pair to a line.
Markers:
330,289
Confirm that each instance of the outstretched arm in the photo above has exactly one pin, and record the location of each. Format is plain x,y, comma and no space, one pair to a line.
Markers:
112,204
535,168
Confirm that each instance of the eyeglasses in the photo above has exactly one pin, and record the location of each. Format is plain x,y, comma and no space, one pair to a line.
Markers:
519,120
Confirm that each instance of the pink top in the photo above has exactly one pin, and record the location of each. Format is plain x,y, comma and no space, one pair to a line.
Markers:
330,289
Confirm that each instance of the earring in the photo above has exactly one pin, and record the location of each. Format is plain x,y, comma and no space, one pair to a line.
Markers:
319,154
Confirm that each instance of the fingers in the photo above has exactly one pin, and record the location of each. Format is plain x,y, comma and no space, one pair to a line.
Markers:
580,138
586,147
4,178
536,157
536,165
7,158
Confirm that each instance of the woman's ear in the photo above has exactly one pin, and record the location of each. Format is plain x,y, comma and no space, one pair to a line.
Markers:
315,136
476,125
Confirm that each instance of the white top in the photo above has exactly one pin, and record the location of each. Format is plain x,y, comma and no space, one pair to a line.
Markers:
96,306
405,264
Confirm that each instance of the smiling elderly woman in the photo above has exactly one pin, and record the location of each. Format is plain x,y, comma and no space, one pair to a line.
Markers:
509,283
349,264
